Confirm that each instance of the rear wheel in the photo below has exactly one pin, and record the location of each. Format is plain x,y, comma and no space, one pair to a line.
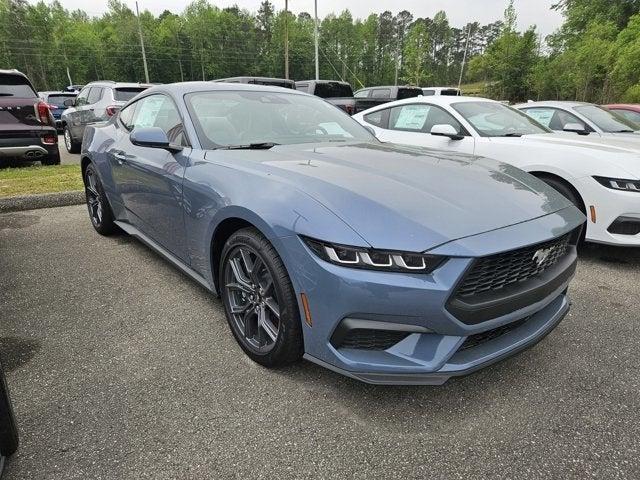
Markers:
97,204
259,300
70,144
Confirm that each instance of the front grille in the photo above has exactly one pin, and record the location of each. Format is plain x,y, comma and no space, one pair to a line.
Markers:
484,337
499,271
370,339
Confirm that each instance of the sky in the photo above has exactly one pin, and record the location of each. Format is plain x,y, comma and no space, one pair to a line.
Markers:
460,12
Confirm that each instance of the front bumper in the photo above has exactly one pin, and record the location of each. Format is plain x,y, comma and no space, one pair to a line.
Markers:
432,349
611,207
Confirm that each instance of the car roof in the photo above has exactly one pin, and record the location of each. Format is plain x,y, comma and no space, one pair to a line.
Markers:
57,92
624,106
182,88
552,103
441,100
111,83
323,81
12,71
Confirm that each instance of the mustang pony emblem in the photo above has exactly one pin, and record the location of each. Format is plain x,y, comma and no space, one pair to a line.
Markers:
542,255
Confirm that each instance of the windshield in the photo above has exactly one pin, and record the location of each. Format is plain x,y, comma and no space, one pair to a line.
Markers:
15,86
607,120
59,98
333,90
126,94
228,118
492,119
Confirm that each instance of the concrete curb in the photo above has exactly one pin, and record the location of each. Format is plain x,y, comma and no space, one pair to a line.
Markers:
44,200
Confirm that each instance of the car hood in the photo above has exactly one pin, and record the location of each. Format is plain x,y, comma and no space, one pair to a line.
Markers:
621,151
404,198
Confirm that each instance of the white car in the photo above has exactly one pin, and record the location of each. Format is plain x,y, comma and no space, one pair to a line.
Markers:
600,176
578,117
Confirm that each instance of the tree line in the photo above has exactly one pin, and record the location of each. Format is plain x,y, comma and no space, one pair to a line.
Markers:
594,56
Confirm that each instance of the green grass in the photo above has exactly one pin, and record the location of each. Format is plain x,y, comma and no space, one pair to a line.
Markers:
37,179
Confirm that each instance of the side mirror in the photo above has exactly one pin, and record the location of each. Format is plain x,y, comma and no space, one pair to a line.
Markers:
445,130
152,137
69,102
575,128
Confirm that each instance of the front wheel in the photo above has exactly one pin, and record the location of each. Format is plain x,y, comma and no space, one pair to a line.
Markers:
97,204
70,144
259,300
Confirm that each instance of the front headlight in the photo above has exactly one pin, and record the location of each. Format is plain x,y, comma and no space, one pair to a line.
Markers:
371,259
619,184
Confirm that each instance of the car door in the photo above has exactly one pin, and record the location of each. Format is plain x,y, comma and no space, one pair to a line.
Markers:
91,114
75,114
149,180
411,124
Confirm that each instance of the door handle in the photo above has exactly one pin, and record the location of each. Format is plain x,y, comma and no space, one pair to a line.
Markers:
120,157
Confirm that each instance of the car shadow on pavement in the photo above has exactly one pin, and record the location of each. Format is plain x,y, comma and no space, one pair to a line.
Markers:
610,254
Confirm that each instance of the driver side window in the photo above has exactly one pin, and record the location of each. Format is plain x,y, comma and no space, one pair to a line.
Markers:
159,111
421,118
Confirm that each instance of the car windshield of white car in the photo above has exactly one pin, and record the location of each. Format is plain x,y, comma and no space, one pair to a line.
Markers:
496,120
240,119
607,120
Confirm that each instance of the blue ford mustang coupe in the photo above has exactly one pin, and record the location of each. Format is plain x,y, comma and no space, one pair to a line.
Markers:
385,263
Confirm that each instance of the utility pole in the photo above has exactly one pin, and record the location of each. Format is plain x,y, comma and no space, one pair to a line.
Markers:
286,39
464,57
395,82
315,34
144,55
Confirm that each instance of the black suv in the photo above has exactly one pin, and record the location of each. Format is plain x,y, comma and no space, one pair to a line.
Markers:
27,128
373,96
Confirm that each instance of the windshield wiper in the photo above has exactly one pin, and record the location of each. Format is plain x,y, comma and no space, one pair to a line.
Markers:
624,131
512,134
251,146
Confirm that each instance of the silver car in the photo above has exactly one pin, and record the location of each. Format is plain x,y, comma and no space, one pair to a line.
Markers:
97,102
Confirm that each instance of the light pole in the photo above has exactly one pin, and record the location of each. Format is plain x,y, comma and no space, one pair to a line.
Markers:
315,34
286,39
144,55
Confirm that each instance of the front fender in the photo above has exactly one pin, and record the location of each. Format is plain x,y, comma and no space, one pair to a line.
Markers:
213,193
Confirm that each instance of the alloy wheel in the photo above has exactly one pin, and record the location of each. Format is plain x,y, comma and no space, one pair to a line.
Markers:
67,139
252,299
94,202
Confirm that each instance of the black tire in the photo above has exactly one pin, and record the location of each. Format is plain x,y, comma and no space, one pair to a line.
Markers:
51,159
565,190
8,427
98,206
70,144
288,345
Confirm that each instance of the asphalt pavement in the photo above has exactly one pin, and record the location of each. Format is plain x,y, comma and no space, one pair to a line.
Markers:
67,158
122,367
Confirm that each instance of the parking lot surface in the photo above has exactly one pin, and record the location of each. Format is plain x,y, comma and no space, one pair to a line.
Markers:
121,367
67,158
